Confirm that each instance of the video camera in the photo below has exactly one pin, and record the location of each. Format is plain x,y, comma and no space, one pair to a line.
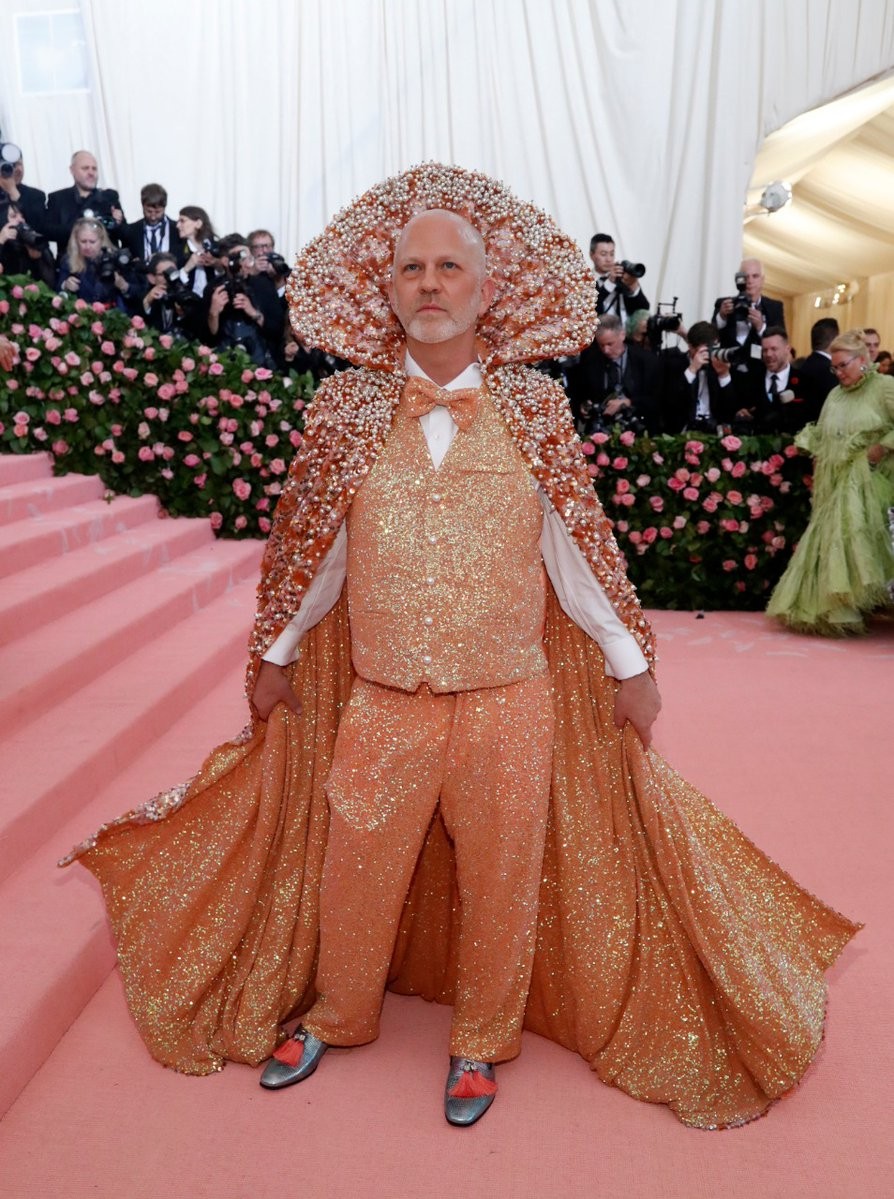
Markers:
663,321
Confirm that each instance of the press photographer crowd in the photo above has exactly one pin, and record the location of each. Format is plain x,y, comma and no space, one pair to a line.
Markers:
645,371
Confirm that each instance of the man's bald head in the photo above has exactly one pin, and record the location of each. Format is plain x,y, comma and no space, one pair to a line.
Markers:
439,218
84,170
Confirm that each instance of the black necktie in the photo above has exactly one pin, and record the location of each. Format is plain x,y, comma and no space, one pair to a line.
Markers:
614,376
153,239
774,389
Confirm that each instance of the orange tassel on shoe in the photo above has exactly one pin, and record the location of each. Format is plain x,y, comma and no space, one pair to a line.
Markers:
472,1085
290,1052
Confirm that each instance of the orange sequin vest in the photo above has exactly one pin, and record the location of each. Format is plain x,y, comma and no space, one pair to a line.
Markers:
445,577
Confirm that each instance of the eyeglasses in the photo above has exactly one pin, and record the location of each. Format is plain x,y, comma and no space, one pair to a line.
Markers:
841,366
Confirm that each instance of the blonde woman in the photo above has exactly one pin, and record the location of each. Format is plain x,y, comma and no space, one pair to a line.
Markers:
81,271
843,567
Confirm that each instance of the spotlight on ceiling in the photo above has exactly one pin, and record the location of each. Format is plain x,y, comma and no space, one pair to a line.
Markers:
774,197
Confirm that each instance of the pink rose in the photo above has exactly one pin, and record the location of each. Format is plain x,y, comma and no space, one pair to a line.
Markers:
39,434
712,474
191,460
729,525
622,526
215,369
60,447
87,379
278,467
32,354
264,524
150,379
694,447
246,376
184,435
588,447
729,564
166,341
701,528
145,454
682,474
166,392
636,536
200,481
21,418
665,532
53,416
599,438
674,484
734,497
627,500
262,374
138,322
117,457
592,470
188,364
20,430
650,534
690,493
240,522
602,459
620,463
216,520
627,437
241,489
679,522
731,443
149,353
12,385
750,561
643,480
622,486
738,470
656,503
295,438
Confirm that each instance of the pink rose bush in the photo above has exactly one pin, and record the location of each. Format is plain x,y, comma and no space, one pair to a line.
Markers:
729,511
171,425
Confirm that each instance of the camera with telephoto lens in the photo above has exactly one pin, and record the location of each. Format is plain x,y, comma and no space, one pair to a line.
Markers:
662,321
278,263
112,262
178,292
637,269
741,302
30,237
99,209
730,354
212,247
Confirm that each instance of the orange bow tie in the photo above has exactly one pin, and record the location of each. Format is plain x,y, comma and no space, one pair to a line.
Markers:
421,395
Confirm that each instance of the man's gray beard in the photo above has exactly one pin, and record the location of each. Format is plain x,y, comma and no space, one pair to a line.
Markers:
431,331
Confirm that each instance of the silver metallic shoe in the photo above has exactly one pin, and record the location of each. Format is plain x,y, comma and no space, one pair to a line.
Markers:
471,1087
295,1060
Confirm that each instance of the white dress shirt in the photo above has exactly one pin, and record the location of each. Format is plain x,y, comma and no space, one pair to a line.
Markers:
579,594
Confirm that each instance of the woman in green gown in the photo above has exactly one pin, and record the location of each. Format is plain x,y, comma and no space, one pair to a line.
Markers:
843,567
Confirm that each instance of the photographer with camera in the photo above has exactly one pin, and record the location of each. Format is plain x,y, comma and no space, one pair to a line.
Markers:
741,319
169,305
617,383
23,251
200,249
267,261
95,270
774,398
617,283
31,201
699,395
244,309
156,233
83,199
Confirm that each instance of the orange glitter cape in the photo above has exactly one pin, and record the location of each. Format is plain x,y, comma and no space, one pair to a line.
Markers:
672,954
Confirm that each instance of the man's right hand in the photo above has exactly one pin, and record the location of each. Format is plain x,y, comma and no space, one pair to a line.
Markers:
726,307
698,357
272,688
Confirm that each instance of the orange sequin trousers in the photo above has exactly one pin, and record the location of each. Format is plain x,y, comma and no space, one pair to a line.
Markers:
485,756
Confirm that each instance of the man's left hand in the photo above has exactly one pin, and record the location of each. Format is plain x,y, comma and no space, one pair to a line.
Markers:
638,701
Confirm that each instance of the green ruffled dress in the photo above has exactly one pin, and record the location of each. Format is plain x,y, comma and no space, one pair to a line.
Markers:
843,567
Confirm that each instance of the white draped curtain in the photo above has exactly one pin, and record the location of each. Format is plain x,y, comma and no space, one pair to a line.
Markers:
641,119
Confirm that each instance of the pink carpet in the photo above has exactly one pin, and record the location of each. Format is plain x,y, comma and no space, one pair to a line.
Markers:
791,736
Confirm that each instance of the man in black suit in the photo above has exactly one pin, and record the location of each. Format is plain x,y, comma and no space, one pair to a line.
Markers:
617,383
744,323
617,291
156,233
68,205
772,400
30,201
699,392
817,377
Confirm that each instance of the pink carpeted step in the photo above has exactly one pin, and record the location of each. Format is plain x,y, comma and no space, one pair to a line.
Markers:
15,468
51,924
42,594
45,666
50,535
31,497
53,765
